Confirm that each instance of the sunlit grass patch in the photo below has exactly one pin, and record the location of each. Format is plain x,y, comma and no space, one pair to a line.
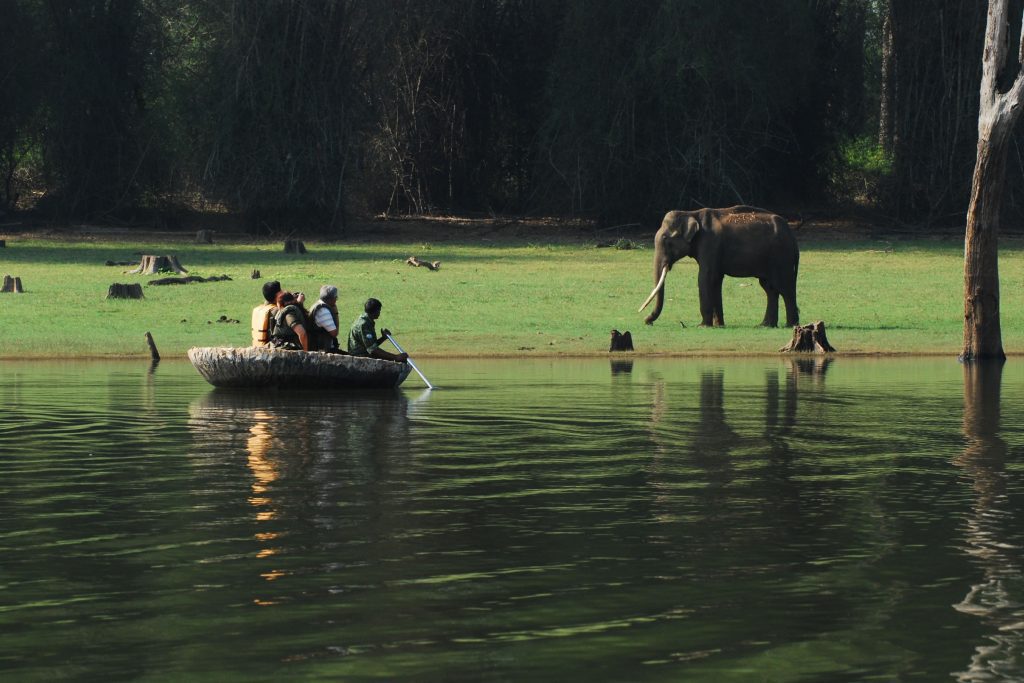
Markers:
493,298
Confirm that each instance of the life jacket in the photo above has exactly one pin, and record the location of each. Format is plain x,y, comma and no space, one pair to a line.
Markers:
262,320
319,338
280,331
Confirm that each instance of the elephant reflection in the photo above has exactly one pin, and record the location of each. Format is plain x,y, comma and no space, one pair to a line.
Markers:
986,534
707,445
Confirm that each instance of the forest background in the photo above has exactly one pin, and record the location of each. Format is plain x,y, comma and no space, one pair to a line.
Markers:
297,114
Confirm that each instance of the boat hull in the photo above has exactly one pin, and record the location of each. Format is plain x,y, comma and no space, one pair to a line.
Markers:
253,367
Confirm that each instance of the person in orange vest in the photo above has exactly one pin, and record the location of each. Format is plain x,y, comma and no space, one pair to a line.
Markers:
263,314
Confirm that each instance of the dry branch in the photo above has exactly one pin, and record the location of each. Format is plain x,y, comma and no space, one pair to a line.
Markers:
432,265
186,280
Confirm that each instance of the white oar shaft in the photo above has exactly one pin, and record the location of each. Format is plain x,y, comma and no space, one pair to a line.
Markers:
411,364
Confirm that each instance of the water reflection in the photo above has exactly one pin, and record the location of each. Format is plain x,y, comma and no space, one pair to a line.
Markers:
986,531
301,452
687,519
622,367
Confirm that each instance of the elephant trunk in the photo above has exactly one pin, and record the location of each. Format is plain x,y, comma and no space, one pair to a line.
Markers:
658,293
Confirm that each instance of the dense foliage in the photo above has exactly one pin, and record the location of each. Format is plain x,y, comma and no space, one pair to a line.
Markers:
297,113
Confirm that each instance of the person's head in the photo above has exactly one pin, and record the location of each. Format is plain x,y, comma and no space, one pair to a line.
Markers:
271,290
285,298
372,307
328,294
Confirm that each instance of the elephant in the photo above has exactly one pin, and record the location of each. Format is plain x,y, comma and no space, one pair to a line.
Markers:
741,241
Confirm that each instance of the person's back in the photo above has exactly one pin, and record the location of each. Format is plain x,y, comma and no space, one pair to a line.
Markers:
263,315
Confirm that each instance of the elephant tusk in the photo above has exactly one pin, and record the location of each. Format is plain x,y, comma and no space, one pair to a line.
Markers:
661,282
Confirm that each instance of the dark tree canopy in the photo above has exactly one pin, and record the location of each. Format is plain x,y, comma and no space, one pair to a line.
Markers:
295,114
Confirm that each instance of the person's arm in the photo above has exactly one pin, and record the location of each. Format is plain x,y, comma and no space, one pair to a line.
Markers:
303,337
385,355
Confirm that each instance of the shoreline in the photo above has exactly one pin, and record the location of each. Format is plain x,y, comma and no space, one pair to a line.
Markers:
551,356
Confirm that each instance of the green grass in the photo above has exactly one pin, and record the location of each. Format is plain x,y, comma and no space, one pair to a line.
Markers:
493,298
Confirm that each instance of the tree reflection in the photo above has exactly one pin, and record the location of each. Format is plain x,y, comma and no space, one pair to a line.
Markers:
985,531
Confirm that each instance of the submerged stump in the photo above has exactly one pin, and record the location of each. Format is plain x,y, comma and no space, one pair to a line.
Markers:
151,265
809,339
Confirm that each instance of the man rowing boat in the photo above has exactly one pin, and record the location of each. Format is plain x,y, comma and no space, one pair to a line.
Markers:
362,337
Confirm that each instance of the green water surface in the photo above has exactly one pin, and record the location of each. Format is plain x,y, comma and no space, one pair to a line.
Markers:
647,520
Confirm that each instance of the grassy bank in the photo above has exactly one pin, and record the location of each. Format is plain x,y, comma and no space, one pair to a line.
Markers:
491,297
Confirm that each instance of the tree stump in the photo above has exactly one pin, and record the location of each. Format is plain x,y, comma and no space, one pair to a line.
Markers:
153,353
151,265
621,341
294,247
3,244
123,291
809,339
432,265
255,274
12,284
204,237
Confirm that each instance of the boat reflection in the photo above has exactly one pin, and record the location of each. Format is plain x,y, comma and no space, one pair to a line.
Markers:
302,452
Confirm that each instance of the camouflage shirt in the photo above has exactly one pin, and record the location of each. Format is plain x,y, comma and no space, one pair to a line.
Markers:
362,338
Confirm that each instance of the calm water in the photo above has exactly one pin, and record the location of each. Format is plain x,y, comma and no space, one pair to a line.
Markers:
663,520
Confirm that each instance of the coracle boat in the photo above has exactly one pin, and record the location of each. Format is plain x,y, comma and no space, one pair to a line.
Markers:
251,367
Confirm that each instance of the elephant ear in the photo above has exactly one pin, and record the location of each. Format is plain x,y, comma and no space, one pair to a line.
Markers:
691,228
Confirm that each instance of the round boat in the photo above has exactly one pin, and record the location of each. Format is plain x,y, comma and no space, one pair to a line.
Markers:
270,367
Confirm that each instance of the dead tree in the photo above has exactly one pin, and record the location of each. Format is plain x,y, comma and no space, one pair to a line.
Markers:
12,285
122,291
432,265
294,247
808,339
151,265
998,115
621,341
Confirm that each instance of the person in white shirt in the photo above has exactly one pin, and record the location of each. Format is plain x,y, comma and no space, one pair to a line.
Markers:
324,321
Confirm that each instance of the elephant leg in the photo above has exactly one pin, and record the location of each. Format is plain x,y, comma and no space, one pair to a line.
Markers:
792,312
706,290
718,320
771,311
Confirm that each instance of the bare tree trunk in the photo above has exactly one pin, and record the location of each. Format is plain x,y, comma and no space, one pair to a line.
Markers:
999,112
885,114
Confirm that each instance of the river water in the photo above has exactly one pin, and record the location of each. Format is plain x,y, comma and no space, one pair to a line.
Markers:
653,520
